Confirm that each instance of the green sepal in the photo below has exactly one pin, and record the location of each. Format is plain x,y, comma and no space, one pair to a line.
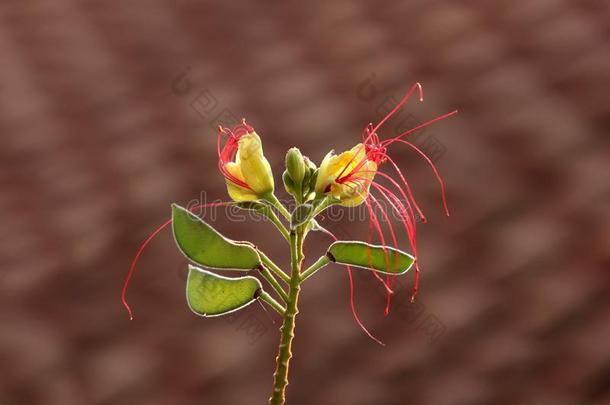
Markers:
288,183
210,294
386,260
300,215
207,247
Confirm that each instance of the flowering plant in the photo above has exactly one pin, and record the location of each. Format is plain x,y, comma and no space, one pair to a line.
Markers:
350,178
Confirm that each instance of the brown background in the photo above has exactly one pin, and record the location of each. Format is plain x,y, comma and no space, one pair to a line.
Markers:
99,136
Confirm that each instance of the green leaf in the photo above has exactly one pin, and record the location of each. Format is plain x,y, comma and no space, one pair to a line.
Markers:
206,246
378,258
209,294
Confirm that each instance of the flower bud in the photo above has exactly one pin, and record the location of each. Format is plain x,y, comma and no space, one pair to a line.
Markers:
295,165
249,176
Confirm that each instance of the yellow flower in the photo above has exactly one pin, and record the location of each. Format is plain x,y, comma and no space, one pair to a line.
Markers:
249,177
347,176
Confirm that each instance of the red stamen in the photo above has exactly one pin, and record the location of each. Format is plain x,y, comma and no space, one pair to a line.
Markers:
372,219
351,296
389,141
375,221
395,242
143,246
410,228
434,169
400,104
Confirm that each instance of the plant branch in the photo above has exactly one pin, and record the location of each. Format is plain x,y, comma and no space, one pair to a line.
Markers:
320,263
272,199
274,283
263,295
270,215
273,267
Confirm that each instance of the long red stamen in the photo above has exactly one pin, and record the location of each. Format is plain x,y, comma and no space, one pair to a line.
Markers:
358,182
389,141
409,195
434,169
375,222
372,132
395,242
351,295
410,228
400,104
143,246
132,268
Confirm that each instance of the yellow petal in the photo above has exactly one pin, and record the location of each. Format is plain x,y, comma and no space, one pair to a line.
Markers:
255,168
235,191
333,166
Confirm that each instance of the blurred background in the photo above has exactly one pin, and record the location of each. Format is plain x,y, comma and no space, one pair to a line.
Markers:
108,114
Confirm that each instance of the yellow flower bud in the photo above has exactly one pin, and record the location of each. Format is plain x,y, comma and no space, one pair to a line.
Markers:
347,176
249,177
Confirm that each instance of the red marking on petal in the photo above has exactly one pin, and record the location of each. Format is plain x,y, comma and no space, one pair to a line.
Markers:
228,151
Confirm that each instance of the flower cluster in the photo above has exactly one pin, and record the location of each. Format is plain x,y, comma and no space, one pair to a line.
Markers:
349,178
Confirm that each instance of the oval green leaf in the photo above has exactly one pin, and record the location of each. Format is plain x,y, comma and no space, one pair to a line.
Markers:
209,294
386,260
206,246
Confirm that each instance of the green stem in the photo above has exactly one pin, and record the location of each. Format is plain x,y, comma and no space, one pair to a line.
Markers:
273,267
274,283
271,198
270,215
278,397
321,262
272,302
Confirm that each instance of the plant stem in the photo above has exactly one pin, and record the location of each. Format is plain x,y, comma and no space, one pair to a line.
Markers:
270,215
278,397
272,302
321,262
271,198
273,282
273,267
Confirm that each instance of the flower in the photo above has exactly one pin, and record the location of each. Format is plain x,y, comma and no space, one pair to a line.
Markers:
242,163
346,177
353,178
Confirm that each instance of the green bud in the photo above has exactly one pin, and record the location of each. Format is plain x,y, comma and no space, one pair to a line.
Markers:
295,165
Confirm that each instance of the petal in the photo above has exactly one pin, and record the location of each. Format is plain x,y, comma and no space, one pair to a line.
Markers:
254,166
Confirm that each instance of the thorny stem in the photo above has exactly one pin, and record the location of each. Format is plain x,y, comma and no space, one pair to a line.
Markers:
278,397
